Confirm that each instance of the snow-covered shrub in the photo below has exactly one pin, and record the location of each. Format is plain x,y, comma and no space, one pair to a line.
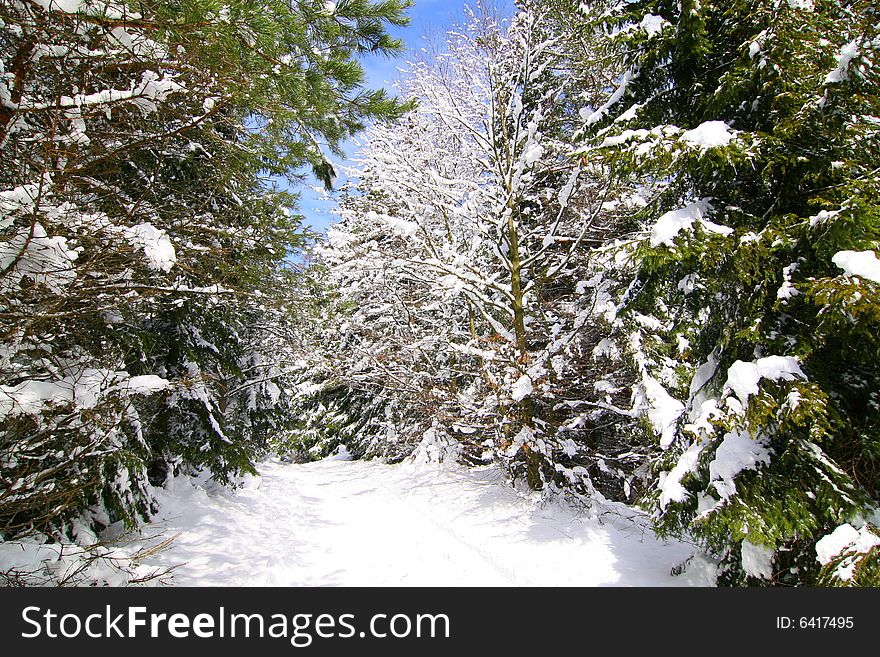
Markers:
41,561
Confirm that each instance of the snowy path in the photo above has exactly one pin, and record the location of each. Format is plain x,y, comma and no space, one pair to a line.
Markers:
356,523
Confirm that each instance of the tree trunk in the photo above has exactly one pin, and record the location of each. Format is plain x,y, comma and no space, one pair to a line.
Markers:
519,324
532,458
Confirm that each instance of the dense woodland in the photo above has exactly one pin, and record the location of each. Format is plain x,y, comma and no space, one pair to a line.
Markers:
625,251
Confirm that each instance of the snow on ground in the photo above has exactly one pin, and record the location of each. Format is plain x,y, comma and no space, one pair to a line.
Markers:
362,523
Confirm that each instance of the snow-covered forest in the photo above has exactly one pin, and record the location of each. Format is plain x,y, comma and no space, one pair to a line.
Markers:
617,257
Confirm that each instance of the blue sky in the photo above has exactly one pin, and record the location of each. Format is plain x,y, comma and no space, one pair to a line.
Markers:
427,17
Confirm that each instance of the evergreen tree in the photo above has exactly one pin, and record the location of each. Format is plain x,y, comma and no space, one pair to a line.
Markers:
142,248
753,125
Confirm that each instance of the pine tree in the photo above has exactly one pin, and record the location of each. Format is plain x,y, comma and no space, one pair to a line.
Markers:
142,248
753,125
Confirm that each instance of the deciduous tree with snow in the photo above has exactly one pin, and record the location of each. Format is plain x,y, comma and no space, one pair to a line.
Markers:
464,250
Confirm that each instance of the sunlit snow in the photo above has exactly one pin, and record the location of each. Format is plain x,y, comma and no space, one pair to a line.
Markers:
858,263
710,134
848,53
743,378
158,249
845,538
365,523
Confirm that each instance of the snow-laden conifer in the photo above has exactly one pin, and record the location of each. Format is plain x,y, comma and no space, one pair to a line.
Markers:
755,125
